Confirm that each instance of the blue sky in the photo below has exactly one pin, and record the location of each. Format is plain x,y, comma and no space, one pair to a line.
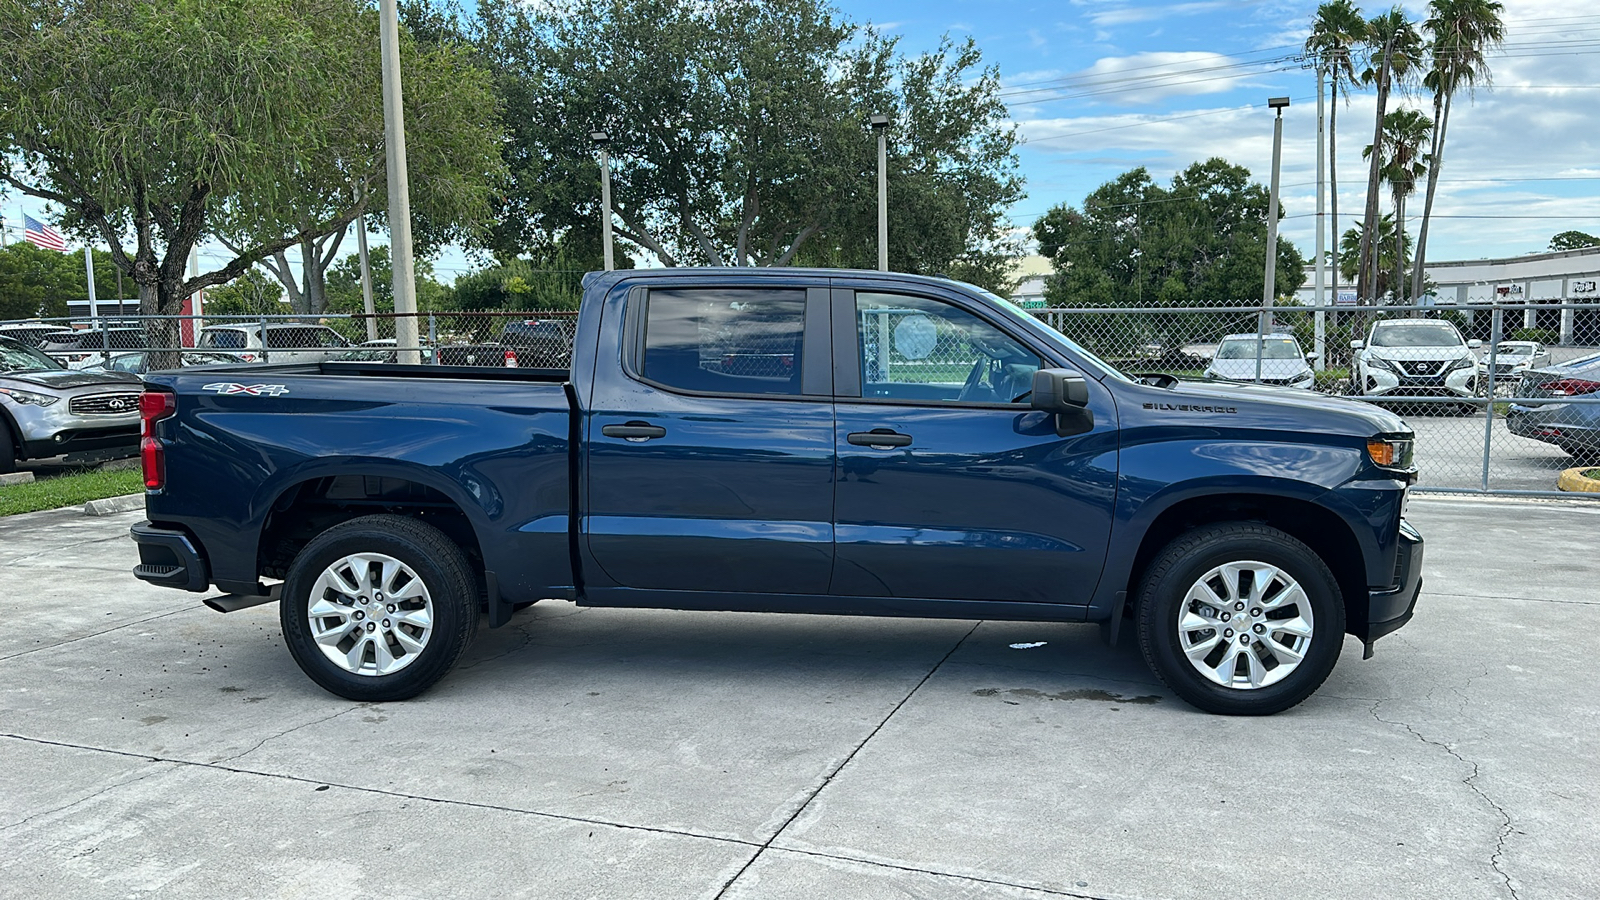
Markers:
1098,87
1203,69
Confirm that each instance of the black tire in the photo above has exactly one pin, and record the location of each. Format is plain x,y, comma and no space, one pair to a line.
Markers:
1181,565
8,450
444,572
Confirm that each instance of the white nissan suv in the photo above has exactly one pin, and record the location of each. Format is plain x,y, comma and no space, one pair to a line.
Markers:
1415,358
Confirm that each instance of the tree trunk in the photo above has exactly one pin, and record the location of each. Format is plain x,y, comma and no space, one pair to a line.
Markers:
1399,279
313,277
163,335
1366,285
1441,119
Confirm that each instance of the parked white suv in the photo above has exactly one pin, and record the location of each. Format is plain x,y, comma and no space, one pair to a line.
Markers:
1415,358
286,343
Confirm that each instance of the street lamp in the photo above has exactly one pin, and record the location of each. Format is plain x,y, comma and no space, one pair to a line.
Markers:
1267,289
880,126
601,141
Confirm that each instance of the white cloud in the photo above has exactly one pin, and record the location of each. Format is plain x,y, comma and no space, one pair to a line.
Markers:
1127,15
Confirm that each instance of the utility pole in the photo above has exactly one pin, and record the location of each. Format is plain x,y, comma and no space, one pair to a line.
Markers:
394,127
366,279
880,125
94,304
1268,287
602,141
1319,323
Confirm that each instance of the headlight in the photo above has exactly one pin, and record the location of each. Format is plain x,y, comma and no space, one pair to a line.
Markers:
1391,453
1465,362
28,398
1378,362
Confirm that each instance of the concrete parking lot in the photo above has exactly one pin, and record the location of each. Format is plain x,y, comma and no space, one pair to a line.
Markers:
152,747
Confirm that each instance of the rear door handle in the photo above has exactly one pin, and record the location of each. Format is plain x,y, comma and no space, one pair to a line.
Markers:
634,431
879,438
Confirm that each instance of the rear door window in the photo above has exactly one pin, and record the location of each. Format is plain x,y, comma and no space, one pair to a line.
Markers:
223,340
725,341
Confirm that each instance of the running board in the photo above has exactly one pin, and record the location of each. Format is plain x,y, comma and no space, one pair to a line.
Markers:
227,603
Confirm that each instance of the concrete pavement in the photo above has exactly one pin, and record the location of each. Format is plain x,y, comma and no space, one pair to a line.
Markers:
151,747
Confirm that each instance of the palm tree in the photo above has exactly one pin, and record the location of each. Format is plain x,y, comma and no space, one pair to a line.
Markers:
1336,30
1461,31
1386,240
1405,131
1394,45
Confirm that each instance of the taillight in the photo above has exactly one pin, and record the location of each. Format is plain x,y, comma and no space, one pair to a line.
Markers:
1569,387
153,407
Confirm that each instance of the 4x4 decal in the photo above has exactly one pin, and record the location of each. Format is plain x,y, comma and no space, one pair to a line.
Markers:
229,388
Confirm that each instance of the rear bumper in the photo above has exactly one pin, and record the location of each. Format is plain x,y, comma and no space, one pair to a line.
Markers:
1388,610
169,557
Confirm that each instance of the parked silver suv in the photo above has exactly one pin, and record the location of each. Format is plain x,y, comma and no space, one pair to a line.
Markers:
48,411
286,342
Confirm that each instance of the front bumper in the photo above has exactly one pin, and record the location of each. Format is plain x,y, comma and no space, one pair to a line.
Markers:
1459,383
170,557
1389,609
54,430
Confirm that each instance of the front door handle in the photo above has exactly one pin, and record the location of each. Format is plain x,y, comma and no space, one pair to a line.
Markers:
634,431
879,438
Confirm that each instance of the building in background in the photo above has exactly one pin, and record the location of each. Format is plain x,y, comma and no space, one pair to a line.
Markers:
1031,273
1537,279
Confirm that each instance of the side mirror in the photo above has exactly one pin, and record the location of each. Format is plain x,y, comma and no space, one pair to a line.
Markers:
1059,390
1313,356
1474,344
1356,345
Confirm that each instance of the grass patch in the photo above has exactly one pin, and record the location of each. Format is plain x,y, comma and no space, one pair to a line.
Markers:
1591,473
68,490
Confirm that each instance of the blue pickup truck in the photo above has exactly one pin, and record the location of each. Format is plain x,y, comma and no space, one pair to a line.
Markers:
788,440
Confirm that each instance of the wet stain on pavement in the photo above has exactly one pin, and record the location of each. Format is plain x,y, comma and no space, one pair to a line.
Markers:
1077,694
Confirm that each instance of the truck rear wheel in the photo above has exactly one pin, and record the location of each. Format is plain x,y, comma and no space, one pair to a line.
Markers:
1240,619
378,608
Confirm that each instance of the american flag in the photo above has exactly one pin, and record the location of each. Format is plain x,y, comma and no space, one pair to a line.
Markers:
42,235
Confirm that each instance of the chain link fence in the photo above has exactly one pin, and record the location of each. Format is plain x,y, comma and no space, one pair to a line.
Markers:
1503,398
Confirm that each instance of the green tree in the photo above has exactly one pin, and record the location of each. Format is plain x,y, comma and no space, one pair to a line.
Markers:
1387,240
1395,50
1335,33
1404,133
252,294
157,123
738,134
38,282
1201,242
1461,32
344,285
1573,240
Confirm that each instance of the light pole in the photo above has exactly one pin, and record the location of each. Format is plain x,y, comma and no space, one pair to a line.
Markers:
1267,288
1319,325
880,126
406,341
602,141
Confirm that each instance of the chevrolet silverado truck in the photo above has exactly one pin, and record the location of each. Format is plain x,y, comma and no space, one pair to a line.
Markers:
786,440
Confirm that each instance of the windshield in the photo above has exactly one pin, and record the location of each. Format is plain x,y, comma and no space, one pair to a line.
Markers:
1054,336
1271,348
18,357
1514,350
225,339
1422,334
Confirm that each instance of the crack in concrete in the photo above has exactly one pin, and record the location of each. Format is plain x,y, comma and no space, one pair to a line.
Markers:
828,779
920,870
527,639
85,799
288,731
1496,859
170,612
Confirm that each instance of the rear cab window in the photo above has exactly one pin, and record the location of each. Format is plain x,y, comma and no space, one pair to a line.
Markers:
732,341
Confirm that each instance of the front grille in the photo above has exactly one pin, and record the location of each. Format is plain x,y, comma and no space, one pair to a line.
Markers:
1421,367
105,405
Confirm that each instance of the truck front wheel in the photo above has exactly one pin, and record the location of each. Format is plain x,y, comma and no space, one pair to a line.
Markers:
1240,619
378,608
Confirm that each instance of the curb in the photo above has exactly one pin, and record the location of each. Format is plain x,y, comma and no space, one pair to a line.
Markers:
17,478
1574,480
113,505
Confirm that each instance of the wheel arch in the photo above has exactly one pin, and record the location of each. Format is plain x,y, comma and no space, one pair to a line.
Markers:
1321,529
